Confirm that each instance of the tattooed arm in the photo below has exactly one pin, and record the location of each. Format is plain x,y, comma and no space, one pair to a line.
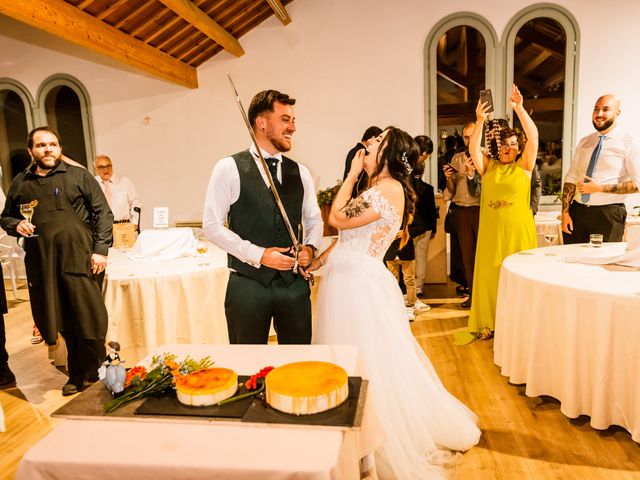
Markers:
568,193
593,187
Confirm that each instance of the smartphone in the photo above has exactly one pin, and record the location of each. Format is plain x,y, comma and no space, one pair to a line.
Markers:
451,167
487,97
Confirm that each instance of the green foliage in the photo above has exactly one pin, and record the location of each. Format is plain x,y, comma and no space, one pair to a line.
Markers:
326,196
552,185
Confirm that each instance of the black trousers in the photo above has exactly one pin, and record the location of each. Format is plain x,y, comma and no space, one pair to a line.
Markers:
249,307
84,357
608,220
467,226
4,355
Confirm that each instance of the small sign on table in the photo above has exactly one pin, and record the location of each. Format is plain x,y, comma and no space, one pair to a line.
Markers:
161,217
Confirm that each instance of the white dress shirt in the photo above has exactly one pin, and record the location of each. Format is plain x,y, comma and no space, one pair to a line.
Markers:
224,191
123,198
619,161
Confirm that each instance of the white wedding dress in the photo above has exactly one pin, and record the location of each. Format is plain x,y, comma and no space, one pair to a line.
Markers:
359,303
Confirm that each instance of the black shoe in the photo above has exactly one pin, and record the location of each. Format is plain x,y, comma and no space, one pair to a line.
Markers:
7,378
466,303
462,291
72,387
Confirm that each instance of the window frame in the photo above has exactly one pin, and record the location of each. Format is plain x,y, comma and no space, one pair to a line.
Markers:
63,80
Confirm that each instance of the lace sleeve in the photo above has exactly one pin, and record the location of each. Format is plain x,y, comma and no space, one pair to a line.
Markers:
384,229
381,205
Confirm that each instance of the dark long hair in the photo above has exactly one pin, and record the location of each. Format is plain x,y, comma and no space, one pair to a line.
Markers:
399,151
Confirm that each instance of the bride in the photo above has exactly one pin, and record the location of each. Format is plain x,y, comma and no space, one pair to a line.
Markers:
360,303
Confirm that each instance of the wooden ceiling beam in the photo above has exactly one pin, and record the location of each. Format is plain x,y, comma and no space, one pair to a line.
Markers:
114,6
554,79
528,35
63,20
131,15
534,63
148,21
453,74
196,17
85,3
280,11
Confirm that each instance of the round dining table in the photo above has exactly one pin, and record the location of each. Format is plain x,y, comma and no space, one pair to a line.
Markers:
569,330
153,302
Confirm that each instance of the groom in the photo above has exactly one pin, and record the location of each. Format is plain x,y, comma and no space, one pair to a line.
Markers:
262,285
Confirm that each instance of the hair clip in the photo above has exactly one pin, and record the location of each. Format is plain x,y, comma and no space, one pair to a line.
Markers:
405,163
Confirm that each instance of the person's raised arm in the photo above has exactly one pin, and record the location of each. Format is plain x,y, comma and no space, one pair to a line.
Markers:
347,214
480,160
530,130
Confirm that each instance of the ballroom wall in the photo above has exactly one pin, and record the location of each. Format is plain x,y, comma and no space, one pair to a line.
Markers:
349,63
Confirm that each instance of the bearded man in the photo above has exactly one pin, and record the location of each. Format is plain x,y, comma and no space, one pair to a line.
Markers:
240,216
603,171
66,242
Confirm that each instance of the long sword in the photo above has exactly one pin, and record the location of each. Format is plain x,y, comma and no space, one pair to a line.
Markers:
265,168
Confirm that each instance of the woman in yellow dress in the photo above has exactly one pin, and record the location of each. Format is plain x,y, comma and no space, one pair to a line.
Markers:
506,222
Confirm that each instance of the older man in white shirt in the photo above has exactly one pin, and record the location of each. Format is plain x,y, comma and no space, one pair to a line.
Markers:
120,192
604,170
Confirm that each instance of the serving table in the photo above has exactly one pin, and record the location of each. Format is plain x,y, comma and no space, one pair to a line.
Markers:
109,447
151,303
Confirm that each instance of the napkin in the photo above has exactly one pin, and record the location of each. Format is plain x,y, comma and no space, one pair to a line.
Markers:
630,258
164,245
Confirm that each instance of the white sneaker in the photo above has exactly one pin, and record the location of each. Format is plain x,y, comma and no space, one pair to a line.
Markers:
410,314
421,306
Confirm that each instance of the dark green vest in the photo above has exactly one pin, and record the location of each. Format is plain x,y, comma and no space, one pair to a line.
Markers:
255,216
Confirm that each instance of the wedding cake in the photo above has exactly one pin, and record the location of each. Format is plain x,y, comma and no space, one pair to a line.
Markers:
206,387
304,388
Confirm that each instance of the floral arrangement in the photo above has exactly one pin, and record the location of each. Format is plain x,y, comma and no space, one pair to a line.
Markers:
326,196
254,386
160,378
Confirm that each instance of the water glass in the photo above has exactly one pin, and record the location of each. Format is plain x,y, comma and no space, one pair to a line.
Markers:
595,240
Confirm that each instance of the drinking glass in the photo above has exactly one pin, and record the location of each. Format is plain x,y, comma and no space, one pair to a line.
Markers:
26,210
595,240
201,246
550,233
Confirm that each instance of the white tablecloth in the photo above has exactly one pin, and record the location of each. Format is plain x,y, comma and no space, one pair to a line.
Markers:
153,303
119,449
571,331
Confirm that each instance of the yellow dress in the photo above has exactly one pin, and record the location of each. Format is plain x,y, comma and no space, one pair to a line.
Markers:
506,227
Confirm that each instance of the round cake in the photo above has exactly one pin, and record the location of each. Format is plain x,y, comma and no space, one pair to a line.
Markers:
304,388
206,387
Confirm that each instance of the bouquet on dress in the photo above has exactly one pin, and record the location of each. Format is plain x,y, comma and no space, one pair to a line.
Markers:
158,379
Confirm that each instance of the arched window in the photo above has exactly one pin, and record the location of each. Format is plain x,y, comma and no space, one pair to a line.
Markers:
541,57
63,103
460,56
16,119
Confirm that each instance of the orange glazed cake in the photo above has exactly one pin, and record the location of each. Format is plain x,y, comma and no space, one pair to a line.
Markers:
303,388
206,387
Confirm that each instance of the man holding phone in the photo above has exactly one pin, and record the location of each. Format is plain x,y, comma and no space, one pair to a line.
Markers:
463,187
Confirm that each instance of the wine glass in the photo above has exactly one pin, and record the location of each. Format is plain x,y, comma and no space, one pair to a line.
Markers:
550,234
26,210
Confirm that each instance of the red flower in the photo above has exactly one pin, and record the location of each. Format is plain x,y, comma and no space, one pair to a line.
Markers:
140,372
252,383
